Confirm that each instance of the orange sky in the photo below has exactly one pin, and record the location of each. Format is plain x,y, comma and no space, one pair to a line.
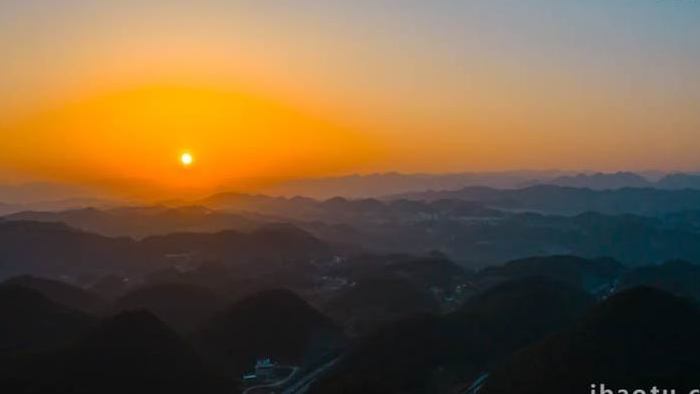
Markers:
140,133
262,91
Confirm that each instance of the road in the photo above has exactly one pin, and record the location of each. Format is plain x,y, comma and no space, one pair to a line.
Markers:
279,383
305,382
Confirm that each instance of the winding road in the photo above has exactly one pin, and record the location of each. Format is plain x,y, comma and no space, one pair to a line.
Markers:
279,383
305,382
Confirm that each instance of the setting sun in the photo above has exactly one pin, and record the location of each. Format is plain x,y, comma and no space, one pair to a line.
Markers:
186,159
392,183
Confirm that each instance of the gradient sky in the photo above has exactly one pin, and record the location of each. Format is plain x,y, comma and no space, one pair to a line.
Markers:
92,90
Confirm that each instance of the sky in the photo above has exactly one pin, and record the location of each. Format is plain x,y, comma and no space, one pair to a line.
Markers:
115,93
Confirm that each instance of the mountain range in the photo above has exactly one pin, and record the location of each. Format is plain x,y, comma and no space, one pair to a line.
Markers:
55,196
546,287
553,317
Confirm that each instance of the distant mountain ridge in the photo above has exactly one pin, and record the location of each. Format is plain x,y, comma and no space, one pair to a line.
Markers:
679,181
381,184
569,200
55,250
601,181
141,222
50,196
474,227
622,179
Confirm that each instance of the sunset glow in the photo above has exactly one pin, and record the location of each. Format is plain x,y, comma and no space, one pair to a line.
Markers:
349,196
110,92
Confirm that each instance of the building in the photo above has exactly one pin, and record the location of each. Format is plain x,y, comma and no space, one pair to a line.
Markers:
265,370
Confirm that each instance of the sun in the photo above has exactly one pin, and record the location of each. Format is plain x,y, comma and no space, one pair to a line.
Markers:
186,159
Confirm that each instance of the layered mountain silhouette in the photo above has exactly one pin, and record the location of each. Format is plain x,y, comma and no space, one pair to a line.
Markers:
382,184
130,352
676,277
385,289
274,324
640,338
141,222
600,181
374,302
181,306
679,181
56,250
74,297
475,226
375,185
423,292
434,354
592,275
570,200
31,322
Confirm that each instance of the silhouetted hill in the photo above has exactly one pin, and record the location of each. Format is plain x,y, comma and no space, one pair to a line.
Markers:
381,289
6,209
601,181
183,307
110,286
679,181
240,264
460,209
637,339
32,322
41,192
257,203
676,277
569,200
376,185
429,353
132,352
468,232
342,210
63,293
276,324
593,275
374,302
55,250
271,243
432,271
423,271
213,275
140,222
478,241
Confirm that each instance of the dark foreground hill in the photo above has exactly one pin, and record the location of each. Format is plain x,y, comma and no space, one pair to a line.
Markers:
274,324
435,354
383,289
677,277
637,339
592,275
63,293
374,302
130,353
31,322
183,307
